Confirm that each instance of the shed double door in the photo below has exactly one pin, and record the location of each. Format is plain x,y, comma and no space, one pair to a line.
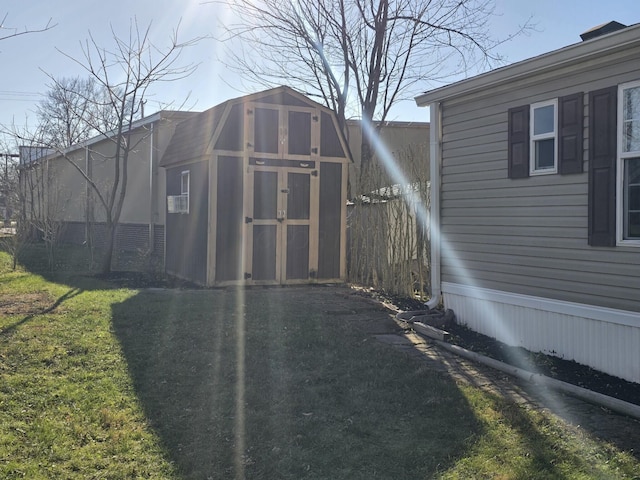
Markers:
281,229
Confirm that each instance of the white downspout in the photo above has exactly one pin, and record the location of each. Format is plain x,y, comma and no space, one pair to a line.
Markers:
151,192
435,156
87,207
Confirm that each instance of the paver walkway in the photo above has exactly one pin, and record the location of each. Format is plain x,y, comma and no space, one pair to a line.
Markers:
378,319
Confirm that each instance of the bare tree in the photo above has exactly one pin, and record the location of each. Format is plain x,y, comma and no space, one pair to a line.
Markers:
76,109
42,199
63,113
107,106
124,75
9,202
10,32
359,56
388,234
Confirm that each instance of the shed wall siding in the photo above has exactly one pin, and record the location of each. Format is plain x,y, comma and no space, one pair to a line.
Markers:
186,234
528,236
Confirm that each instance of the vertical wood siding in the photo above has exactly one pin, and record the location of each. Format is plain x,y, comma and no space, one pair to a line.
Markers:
329,139
299,135
229,195
186,239
232,133
265,246
297,252
330,220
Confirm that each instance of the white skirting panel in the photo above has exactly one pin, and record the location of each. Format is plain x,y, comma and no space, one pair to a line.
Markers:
602,338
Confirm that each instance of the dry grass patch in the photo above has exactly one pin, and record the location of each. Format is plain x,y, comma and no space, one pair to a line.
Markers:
25,303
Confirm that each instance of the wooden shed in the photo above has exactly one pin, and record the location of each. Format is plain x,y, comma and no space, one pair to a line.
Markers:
256,193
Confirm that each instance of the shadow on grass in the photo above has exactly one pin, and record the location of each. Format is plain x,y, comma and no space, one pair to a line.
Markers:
272,383
266,384
284,383
77,267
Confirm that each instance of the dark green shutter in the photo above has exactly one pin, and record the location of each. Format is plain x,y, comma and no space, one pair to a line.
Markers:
571,125
518,140
602,167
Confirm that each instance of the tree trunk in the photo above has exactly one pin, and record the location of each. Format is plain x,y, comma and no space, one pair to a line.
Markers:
365,184
108,251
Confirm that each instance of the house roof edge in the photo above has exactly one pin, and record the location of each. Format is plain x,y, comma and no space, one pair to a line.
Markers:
573,53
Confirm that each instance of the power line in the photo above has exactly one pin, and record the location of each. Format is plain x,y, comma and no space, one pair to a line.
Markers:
18,92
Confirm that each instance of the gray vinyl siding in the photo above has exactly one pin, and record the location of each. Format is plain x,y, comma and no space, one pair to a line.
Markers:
528,236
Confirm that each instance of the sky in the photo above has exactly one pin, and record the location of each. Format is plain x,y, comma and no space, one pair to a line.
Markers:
28,61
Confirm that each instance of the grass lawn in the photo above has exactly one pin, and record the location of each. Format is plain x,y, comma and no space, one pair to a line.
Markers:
99,382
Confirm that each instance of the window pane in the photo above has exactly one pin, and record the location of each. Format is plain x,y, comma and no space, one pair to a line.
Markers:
633,171
631,104
184,184
631,119
543,120
634,225
545,154
631,136
632,198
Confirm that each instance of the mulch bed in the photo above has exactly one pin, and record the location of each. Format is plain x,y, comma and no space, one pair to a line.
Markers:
548,365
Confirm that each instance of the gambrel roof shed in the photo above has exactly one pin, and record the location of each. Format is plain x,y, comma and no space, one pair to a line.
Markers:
256,192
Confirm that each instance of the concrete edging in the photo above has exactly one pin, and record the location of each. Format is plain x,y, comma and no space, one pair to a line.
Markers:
606,401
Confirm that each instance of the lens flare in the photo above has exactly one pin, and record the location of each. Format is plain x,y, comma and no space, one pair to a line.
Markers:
490,314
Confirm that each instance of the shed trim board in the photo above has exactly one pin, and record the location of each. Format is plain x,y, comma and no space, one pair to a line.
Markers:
568,295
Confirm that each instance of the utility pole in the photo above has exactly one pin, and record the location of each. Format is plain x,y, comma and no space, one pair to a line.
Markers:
5,187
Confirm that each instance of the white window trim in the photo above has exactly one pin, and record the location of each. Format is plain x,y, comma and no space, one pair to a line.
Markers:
622,156
183,193
545,136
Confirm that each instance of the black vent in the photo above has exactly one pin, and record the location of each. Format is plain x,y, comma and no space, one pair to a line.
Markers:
602,30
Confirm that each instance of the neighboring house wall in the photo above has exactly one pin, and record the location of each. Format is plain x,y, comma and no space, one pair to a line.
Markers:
65,201
406,142
141,225
528,235
517,262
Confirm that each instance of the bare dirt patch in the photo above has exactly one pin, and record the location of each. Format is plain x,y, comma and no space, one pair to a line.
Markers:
25,303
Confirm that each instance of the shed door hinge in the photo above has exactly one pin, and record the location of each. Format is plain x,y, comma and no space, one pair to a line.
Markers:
248,219
247,275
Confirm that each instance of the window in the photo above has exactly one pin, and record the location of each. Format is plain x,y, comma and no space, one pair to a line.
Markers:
628,166
180,203
543,147
546,137
185,179
184,183
631,199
